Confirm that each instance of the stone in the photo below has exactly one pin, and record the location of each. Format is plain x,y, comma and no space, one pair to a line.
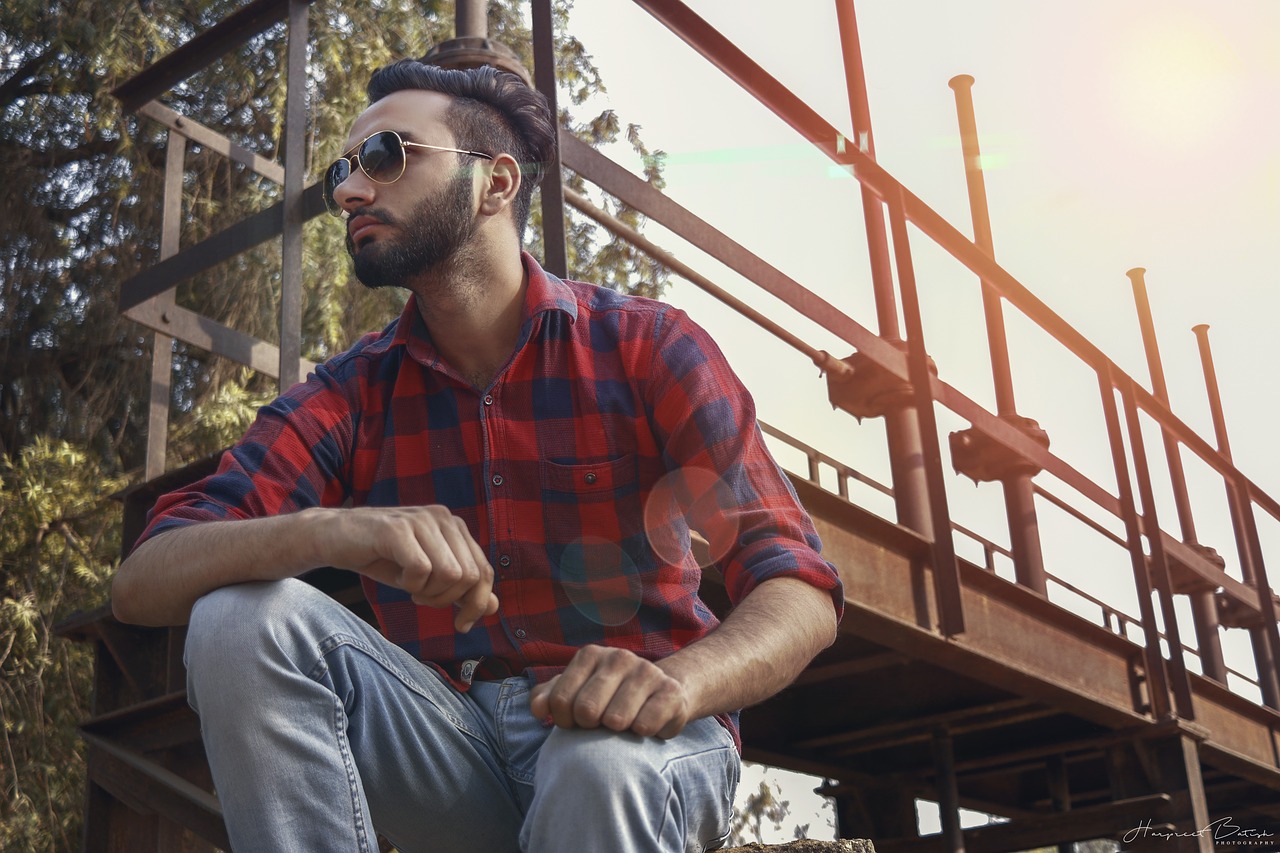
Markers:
844,845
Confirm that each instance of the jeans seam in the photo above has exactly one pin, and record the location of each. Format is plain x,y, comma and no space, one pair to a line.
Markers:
353,783
335,641
500,727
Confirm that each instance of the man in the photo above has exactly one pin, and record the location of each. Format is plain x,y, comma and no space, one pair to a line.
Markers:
513,468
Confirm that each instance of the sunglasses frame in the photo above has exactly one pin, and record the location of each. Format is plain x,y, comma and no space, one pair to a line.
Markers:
353,154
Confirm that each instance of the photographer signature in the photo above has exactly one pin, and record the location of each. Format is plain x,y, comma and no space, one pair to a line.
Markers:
1219,830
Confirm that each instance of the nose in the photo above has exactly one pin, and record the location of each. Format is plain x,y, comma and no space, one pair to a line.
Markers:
356,191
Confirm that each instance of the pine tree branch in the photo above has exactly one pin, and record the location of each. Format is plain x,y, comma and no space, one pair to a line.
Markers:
19,82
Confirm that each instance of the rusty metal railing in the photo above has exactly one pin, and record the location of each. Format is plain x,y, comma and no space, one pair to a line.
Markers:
1172,563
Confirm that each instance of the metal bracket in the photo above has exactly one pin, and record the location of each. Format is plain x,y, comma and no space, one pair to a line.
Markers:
868,390
981,458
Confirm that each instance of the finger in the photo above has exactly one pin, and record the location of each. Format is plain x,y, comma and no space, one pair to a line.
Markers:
664,714
453,570
479,600
613,694
540,698
563,693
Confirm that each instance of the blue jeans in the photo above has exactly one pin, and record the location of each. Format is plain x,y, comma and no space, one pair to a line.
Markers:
320,734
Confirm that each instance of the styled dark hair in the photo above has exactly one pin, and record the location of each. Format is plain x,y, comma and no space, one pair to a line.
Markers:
492,111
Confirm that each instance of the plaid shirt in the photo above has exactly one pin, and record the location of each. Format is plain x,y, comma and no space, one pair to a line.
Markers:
615,428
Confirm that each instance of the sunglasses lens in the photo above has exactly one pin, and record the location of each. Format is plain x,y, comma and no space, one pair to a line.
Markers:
334,175
382,157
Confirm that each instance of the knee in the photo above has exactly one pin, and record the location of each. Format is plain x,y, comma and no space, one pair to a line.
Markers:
598,761
233,626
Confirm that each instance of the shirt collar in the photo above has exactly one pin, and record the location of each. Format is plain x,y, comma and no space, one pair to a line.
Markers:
546,293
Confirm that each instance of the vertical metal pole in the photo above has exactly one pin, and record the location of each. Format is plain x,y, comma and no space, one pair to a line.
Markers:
1203,611
944,765
1019,497
946,573
162,345
471,19
910,486
1157,678
295,128
1261,637
555,255
1158,564
1266,636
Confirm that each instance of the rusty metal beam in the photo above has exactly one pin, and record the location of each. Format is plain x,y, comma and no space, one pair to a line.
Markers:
946,576
201,51
293,211
555,255
214,141
200,331
1050,829
208,253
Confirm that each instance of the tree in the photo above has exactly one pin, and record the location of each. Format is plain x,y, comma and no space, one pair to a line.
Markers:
80,216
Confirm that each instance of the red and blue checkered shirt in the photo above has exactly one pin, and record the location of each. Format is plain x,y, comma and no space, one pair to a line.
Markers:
615,428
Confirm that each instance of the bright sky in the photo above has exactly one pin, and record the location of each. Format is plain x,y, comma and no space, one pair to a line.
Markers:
1114,135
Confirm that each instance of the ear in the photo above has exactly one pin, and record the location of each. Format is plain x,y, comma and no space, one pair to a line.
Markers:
500,184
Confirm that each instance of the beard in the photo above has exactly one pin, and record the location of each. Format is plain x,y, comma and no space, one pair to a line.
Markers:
431,236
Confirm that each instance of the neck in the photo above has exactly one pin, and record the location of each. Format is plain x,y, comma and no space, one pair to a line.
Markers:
472,306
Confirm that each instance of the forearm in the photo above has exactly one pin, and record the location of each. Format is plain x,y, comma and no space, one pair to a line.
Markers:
160,581
760,648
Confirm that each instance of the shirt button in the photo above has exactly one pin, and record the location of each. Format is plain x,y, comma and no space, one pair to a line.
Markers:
497,479
504,561
521,633
488,399
590,478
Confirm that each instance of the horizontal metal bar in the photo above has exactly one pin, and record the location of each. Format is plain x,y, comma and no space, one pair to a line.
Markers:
620,229
208,334
202,50
211,251
214,141
621,184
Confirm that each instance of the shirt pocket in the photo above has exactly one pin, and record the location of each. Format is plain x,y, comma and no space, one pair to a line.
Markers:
596,550
589,482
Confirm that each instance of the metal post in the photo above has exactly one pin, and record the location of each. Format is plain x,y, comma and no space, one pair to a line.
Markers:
1203,610
1157,566
1019,497
471,19
946,573
910,492
555,257
1259,638
1156,676
944,764
295,128
162,344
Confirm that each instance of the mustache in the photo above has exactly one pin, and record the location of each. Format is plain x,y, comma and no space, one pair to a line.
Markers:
371,212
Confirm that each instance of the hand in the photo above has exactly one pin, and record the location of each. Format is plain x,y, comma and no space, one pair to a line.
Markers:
426,551
614,688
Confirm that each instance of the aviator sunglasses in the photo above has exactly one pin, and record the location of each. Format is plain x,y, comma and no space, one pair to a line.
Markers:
381,156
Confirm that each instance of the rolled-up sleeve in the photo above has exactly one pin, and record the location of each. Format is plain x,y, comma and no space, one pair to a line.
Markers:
294,456
747,509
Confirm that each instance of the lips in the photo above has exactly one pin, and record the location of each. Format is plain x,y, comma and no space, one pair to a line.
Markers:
359,228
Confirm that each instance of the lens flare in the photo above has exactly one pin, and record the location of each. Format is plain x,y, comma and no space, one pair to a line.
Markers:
687,499
600,580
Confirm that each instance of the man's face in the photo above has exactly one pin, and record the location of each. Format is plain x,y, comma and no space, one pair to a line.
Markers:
418,223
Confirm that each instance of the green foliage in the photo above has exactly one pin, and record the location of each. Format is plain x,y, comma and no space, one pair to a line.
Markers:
58,539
